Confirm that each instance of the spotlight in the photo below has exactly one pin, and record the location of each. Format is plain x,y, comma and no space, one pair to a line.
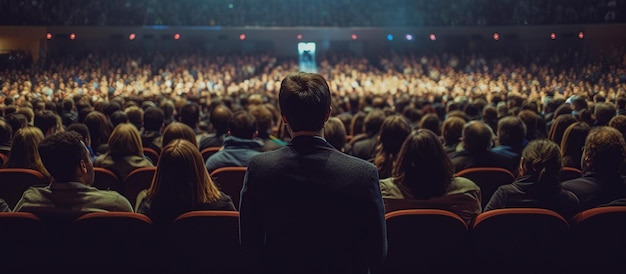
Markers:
72,36
49,36
553,36
176,36
299,36
354,37
389,37
433,37
581,35
409,37
496,36
131,37
242,37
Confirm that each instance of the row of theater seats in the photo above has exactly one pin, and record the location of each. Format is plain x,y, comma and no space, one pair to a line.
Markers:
14,181
419,241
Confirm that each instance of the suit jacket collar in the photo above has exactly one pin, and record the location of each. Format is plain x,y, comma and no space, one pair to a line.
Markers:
305,143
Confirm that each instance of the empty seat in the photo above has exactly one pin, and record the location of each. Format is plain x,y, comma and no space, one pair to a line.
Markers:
14,181
106,180
152,154
488,179
206,242
20,235
230,181
518,240
138,180
207,152
425,241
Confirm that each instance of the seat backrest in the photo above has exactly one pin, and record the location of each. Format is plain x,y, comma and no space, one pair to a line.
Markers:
206,242
207,152
20,235
528,237
138,180
230,181
488,179
124,240
106,180
568,173
14,181
599,236
424,240
152,154
3,159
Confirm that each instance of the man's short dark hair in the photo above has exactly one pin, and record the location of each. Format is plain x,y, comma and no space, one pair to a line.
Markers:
604,112
190,115
477,137
81,129
304,100
373,120
153,118
46,120
61,153
118,117
220,117
511,131
17,121
242,125
6,131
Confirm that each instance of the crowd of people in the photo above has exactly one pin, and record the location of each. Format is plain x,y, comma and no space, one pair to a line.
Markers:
322,13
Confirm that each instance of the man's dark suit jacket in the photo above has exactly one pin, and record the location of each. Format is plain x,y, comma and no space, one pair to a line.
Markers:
308,208
594,189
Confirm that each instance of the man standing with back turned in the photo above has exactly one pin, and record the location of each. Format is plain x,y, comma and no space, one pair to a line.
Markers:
308,208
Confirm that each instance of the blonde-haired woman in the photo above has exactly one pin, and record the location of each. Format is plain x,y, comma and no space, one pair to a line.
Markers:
24,153
181,184
125,152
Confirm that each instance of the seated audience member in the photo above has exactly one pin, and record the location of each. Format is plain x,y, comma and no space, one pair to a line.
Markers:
6,134
135,116
619,122
16,121
431,122
84,132
393,132
365,147
153,120
190,115
70,115
451,132
603,113
511,142
47,122
67,160
559,125
220,116
423,177
573,143
118,117
539,183
24,152
181,184
240,145
477,142
177,130
601,183
335,133
265,122
100,129
125,152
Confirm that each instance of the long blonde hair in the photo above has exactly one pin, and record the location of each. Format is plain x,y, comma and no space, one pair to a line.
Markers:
24,153
181,177
125,141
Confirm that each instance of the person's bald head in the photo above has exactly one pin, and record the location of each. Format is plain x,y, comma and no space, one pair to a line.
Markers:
220,116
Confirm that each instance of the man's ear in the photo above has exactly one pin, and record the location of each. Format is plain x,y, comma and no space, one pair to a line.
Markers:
83,166
330,110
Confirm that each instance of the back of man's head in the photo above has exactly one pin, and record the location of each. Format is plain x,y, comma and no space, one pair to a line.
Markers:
242,125
511,131
220,116
47,121
620,103
61,154
190,115
135,116
153,119
604,112
81,129
263,117
68,104
477,137
118,117
373,120
17,121
304,100
605,150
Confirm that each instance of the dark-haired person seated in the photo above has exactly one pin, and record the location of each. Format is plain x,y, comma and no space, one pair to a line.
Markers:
67,160
125,152
477,141
601,183
423,177
240,145
538,185
181,184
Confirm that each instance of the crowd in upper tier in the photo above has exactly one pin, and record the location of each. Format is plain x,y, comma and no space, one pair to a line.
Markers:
320,13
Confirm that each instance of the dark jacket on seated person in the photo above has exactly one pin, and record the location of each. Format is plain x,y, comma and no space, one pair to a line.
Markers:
594,190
